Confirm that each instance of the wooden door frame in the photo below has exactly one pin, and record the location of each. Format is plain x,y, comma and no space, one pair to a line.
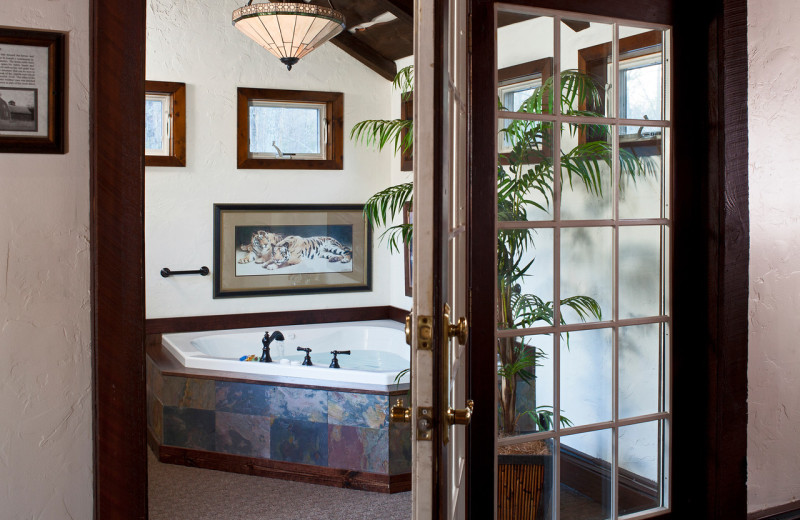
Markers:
711,259
718,231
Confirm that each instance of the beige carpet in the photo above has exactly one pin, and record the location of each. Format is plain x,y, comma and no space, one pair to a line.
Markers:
180,492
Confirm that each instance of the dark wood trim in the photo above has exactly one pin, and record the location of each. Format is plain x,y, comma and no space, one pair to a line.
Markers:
341,478
651,11
117,256
177,144
259,319
334,150
790,511
406,114
402,9
365,54
57,70
169,366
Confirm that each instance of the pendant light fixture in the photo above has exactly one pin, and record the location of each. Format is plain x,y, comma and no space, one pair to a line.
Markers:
288,30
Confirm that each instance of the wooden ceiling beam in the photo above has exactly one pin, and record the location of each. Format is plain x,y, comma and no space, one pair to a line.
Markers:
402,9
365,54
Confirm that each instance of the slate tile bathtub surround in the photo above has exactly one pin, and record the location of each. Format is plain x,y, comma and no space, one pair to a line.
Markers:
188,392
299,441
365,410
299,404
242,398
364,449
189,428
399,448
247,435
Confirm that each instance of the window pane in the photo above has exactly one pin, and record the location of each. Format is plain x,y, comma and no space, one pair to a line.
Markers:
639,481
525,171
587,275
642,189
586,377
525,62
525,278
586,476
585,83
294,130
154,124
640,92
525,367
639,362
586,172
639,271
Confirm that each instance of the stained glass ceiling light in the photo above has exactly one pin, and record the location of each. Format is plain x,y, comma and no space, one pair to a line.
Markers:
288,30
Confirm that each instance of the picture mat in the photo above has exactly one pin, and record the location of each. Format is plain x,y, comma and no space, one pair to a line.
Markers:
39,56
227,283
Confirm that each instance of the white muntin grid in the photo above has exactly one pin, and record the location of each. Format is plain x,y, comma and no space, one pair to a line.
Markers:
663,319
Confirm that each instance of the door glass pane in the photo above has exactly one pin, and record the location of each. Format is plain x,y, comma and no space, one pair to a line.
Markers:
586,172
525,62
641,81
525,278
586,476
639,468
587,276
639,369
525,170
585,83
525,481
641,169
639,271
586,377
525,385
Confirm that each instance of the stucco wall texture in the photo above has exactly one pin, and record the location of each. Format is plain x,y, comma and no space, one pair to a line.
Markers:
45,358
773,457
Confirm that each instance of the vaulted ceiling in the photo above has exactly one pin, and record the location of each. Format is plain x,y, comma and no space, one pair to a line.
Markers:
377,39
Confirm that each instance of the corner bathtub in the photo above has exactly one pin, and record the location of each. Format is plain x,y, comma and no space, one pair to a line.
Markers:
379,351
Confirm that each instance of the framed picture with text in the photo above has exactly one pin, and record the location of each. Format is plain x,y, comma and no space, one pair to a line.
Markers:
32,91
280,249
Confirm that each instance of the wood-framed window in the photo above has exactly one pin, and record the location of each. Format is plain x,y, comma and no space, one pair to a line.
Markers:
406,114
289,129
639,61
515,84
165,123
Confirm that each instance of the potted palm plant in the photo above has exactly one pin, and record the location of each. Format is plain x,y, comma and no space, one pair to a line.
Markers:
525,176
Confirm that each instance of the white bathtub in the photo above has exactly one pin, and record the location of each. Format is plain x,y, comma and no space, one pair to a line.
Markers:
381,343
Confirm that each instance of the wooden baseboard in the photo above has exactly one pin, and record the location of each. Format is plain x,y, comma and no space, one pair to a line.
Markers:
342,478
245,321
790,511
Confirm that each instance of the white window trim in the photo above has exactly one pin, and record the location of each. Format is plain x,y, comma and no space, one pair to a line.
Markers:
166,127
322,125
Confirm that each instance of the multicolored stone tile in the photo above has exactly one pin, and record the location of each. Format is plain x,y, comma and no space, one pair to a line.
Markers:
299,441
298,404
359,449
189,428
247,435
399,448
154,378
365,410
244,398
155,416
188,392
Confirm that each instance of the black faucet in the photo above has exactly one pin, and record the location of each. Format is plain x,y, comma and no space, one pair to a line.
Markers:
334,361
307,360
265,357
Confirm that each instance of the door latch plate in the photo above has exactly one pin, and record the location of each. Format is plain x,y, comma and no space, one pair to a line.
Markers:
424,423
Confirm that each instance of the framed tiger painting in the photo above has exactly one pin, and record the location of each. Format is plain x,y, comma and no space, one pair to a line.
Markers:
280,249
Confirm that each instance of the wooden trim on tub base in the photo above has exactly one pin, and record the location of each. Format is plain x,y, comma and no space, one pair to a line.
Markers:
245,321
790,511
342,478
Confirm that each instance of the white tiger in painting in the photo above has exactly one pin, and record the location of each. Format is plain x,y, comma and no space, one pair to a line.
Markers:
259,249
292,249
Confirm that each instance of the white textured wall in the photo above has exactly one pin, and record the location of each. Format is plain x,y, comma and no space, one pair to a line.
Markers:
194,42
45,359
773,454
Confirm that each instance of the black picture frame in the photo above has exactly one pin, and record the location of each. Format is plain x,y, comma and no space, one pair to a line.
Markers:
23,129
281,249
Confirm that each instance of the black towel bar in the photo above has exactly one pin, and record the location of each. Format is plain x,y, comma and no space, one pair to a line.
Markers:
166,273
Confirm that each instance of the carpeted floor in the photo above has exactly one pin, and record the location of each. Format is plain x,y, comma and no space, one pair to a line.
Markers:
180,492
184,493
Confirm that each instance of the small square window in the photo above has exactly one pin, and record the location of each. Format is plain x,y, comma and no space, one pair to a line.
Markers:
288,129
165,124
640,94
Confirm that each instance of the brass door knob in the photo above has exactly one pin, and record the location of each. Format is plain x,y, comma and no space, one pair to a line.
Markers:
459,330
408,329
399,413
460,416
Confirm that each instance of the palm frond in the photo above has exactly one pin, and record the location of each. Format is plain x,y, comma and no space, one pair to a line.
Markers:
404,81
380,132
385,205
396,235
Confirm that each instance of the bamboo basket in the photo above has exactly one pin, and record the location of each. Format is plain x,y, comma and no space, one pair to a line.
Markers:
522,487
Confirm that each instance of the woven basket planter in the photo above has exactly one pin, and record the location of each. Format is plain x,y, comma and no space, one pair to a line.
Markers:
523,486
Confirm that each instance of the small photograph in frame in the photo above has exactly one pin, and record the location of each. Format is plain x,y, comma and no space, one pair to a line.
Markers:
32,91
262,250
